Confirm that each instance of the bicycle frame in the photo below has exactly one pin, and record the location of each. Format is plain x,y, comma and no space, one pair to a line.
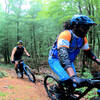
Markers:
69,90
27,70
24,66
91,83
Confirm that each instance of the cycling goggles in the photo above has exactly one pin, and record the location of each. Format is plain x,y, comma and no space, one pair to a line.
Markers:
20,44
85,27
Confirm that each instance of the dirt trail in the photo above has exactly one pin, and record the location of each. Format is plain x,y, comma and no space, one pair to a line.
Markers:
13,88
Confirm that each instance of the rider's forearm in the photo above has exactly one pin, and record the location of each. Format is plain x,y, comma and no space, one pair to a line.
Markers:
70,71
65,61
64,57
12,57
27,54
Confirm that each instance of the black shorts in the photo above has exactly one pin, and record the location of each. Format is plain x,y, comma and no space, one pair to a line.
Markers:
17,59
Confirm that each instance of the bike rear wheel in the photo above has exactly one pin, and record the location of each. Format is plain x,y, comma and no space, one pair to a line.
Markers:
50,81
29,73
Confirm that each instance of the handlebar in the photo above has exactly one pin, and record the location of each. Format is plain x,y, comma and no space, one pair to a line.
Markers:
89,83
94,83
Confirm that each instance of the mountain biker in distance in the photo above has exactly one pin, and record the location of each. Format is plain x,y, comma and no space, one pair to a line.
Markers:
67,47
17,53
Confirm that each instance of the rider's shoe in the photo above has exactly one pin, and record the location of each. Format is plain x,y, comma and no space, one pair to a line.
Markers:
19,75
17,72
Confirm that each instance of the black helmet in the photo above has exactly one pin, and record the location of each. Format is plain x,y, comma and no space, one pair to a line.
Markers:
82,19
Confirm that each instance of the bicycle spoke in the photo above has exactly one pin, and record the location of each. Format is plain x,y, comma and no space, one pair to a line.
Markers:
50,83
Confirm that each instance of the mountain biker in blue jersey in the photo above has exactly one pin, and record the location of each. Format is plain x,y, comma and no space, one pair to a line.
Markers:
17,53
67,46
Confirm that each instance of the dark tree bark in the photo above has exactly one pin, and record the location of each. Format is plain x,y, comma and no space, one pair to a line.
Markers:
79,7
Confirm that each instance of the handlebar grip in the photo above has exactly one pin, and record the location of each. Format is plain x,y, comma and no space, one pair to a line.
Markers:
84,82
12,62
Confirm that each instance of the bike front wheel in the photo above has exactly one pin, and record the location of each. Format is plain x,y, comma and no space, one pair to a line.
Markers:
49,83
30,74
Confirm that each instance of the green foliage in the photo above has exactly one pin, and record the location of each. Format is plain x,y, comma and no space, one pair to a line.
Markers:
10,87
87,74
18,99
93,92
39,25
2,94
3,74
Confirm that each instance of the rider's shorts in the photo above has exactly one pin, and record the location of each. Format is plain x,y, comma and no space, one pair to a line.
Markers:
58,69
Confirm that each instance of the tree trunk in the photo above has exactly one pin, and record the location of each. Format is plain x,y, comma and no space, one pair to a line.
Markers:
17,23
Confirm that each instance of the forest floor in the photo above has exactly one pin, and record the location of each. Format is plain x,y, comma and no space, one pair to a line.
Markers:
13,88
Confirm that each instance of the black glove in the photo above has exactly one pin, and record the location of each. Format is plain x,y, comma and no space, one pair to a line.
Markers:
79,82
28,56
76,79
13,62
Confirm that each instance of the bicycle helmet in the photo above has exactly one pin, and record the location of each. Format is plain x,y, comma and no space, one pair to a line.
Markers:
82,19
20,42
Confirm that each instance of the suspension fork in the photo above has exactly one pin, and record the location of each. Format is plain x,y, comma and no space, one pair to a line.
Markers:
25,68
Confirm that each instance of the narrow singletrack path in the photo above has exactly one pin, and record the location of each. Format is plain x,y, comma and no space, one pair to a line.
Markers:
13,88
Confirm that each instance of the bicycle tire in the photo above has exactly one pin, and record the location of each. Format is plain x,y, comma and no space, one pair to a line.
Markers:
50,94
30,75
55,80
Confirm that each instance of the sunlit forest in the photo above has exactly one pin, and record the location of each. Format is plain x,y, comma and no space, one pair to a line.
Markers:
38,22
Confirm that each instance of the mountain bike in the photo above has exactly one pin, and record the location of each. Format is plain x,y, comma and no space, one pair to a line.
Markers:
24,69
69,91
